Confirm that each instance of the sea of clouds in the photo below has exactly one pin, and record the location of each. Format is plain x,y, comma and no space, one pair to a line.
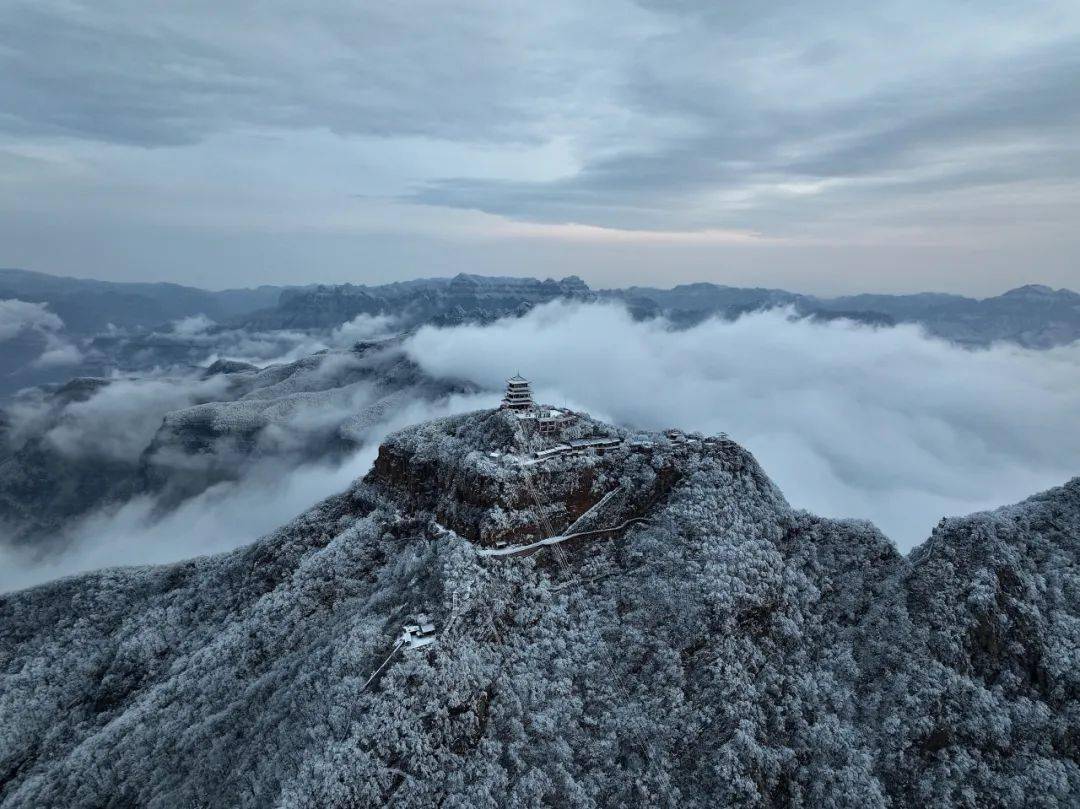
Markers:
885,424
118,421
18,316
270,491
263,348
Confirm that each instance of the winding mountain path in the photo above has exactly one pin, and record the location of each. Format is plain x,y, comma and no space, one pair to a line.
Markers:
524,550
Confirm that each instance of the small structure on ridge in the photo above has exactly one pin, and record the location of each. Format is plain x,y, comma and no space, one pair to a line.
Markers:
418,635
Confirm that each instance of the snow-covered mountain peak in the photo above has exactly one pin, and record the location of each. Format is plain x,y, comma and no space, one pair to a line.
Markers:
671,633
505,478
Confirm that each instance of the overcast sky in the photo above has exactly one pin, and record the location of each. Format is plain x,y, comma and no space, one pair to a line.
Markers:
821,146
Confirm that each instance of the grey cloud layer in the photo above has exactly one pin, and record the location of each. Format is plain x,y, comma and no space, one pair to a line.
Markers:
884,424
993,121
229,469
830,123
16,315
122,72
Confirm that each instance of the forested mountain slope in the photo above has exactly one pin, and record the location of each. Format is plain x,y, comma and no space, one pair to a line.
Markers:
723,650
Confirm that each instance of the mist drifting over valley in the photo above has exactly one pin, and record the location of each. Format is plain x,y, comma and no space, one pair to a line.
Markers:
883,423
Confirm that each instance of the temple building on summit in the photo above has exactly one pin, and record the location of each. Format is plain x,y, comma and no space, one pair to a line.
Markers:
518,394
544,420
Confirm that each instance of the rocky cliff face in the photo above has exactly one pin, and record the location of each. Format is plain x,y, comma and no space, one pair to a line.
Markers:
480,476
725,650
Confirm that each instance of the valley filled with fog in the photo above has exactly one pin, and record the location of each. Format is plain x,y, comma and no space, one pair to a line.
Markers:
202,436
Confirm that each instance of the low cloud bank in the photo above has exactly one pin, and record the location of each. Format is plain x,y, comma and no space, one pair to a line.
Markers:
58,353
883,424
850,421
18,316
271,492
119,421
268,347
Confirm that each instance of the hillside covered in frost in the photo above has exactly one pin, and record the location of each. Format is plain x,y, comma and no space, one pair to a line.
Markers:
689,640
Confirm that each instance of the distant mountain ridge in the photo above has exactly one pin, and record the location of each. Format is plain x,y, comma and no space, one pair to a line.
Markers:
87,306
440,301
1034,316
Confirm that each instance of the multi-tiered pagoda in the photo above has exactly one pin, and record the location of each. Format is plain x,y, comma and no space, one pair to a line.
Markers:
518,394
